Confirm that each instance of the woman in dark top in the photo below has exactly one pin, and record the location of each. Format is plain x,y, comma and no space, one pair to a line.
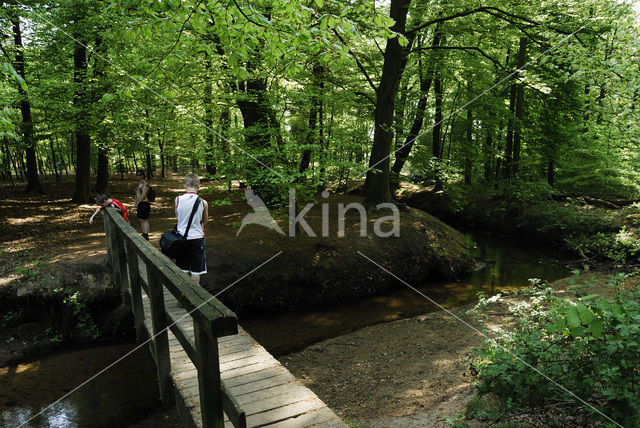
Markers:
142,203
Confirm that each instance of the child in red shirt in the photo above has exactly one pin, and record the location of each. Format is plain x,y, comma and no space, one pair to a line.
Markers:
104,202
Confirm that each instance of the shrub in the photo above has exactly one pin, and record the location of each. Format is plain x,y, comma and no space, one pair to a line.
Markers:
590,346
621,247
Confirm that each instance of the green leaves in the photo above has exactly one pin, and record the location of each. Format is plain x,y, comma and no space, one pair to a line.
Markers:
590,346
573,317
8,69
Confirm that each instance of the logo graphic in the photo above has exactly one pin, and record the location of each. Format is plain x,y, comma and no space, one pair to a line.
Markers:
260,215
297,220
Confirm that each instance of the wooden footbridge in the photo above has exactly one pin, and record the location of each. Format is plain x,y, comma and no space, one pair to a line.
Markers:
214,371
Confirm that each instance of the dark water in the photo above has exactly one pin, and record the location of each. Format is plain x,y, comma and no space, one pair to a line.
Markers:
125,393
128,392
509,265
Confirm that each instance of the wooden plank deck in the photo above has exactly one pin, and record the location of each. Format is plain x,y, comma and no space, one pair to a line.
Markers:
264,388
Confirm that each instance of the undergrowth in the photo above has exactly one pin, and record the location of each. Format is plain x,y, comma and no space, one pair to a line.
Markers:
581,353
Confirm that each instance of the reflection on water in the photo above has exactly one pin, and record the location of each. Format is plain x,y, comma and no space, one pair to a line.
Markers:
126,392
509,264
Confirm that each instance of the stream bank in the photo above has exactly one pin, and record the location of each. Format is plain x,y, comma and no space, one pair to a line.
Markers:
606,238
75,305
410,372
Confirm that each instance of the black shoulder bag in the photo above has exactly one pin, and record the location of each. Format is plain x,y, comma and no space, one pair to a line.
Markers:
172,243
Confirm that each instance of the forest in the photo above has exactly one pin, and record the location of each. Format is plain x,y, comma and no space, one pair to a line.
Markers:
322,93
518,119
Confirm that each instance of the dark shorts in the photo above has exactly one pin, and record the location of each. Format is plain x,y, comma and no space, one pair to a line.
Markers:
143,210
194,258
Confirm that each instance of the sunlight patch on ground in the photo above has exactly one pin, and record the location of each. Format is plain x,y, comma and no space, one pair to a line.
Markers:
27,367
8,279
32,219
231,216
320,320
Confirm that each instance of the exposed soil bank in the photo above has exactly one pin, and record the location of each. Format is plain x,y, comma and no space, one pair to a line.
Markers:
307,271
561,223
311,271
82,308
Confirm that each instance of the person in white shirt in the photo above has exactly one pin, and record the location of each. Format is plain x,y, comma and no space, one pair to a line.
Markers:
193,259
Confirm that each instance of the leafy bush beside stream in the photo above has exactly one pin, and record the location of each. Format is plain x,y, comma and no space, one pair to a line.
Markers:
589,345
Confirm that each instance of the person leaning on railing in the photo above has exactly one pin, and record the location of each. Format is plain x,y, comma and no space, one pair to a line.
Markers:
104,202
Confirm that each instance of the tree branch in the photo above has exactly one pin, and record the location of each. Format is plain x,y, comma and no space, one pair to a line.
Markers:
462,48
182,28
246,17
358,63
488,9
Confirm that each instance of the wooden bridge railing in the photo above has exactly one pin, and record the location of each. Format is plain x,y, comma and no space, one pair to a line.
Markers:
211,319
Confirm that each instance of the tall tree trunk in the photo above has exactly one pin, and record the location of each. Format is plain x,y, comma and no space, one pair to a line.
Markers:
72,151
259,130
468,161
23,167
517,133
376,185
437,143
102,176
63,164
40,166
225,125
587,108
8,160
324,147
310,133
488,155
508,150
147,146
33,180
53,159
425,85
161,147
149,159
83,141
399,118
208,118
121,164
436,149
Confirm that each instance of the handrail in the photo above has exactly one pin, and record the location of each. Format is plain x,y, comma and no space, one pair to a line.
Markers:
211,319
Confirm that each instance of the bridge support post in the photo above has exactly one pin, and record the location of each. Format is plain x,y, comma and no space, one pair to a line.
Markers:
122,269
111,235
160,336
136,291
107,234
208,376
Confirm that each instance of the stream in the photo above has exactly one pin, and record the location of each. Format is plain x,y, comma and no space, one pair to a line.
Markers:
507,266
128,391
